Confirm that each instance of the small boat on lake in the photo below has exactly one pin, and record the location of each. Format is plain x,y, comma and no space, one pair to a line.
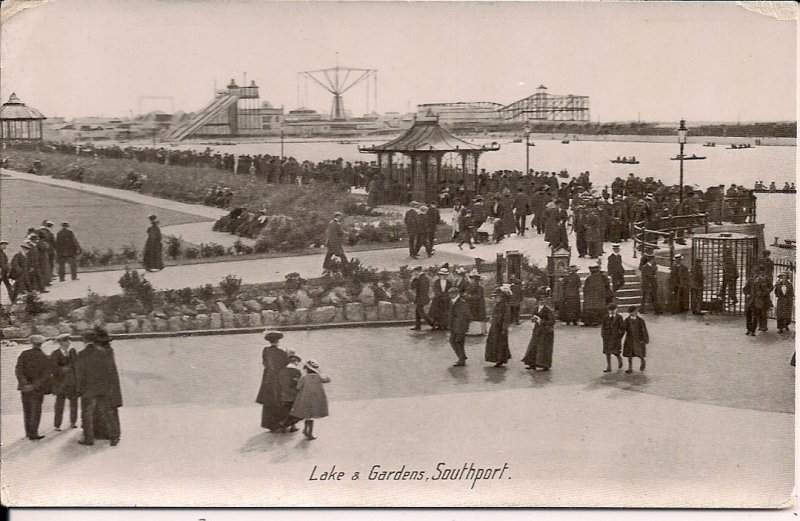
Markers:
692,157
710,144
739,147
625,161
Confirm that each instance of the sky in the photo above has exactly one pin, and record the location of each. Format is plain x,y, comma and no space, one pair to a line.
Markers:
652,61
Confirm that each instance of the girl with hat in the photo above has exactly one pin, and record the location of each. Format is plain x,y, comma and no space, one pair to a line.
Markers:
497,350
153,256
477,305
274,359
311,402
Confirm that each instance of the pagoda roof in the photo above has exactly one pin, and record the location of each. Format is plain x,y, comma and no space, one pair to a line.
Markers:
425,135
14,109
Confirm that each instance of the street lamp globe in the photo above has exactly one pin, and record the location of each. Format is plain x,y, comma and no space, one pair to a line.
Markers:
528,129
682,131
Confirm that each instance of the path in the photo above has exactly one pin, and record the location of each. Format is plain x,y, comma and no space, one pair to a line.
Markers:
572,436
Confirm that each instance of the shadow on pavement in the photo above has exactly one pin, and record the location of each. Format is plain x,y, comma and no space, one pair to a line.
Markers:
495,375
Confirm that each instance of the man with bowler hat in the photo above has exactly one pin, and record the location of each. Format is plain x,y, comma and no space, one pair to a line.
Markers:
34,374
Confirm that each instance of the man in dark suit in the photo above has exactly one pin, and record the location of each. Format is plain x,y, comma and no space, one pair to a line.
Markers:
458,324
431,223
46,233
19,271
34,373
67,251
421,287
612,330
412,229
5,270
64,384
520,210
98,388
615,269
334,241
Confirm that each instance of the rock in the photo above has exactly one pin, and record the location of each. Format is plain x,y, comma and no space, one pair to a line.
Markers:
174,312
330,299
215,321
322,315
254,318
354,312
188,323
203,321
82,313
290,316
222,307
158,313
227,319
370,313
284,303
252,305
147,326
367,296
240,320
25,330
11,332
385,311
161,324
301,316
19,307
80,326
201,308
64,327
269,302
47,331
186,310
269,317
315,292
302,299
401,311
340,292
175,324
132,326
237,306
116,328
339,317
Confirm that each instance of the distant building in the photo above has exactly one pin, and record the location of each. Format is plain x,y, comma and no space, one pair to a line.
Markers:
19,122
463,112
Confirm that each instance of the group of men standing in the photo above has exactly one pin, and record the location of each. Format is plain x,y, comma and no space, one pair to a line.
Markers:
421,222
89,376
31,268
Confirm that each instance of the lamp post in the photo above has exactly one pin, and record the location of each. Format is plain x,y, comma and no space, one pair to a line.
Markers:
682,131
527,148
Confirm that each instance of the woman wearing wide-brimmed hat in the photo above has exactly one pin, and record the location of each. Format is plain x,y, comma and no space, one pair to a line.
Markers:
477,304
269,394
439,311
311,402
540,348
153,257
497,350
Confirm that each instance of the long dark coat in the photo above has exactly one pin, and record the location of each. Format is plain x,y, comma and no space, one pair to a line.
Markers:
421,287
497,350
440,304
596,291
476,301
785,300
97,375
274,360
64,373
335,238
615,270
311,401
570,306
540,347
636,338
611,331
34,368
153,254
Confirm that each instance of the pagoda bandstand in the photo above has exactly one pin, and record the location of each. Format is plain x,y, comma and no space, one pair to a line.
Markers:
19,122
423,161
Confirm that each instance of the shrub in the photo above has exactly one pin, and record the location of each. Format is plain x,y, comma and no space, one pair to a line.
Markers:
206,292
294,281
129,252
173,247
231,285
62,308
212,249
191,252
240,248
184,295
138,288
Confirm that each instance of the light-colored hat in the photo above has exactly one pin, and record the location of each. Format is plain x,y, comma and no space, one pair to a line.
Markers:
338,214
272,334
460,270
474,274
3,241
615,245
413,203
312,366
417,268
26,245
444,271
573,268
291,354
47,222
678,256
36,340
423,209
594,267
506,288
63,336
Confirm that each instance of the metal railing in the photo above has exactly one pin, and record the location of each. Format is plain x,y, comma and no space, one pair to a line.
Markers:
673,228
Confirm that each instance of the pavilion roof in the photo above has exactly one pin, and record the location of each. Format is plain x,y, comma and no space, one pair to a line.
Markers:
15,109
425,135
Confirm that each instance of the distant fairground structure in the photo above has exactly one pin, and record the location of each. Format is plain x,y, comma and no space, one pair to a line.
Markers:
18,122
417,164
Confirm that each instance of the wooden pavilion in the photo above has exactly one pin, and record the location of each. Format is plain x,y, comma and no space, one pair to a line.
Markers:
429,158
19,122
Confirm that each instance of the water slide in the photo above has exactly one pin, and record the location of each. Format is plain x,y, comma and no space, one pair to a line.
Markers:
218,105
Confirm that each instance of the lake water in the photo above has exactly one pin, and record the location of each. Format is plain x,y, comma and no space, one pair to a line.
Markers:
722,166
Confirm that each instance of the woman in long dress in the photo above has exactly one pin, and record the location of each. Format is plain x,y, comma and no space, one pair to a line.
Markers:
785,296
311,402
477,305
540,347
153,256
269,394
497,350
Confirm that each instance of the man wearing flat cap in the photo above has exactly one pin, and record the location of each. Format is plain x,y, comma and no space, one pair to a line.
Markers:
63,360
67,251
34,374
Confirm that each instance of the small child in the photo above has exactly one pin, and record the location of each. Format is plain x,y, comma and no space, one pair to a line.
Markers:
311,402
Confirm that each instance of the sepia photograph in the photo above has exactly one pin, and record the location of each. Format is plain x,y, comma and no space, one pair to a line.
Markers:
397,254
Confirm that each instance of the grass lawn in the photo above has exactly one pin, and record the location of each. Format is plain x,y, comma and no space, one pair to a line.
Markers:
98,222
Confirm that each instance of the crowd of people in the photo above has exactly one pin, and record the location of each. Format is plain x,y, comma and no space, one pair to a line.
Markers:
33,266
88,377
